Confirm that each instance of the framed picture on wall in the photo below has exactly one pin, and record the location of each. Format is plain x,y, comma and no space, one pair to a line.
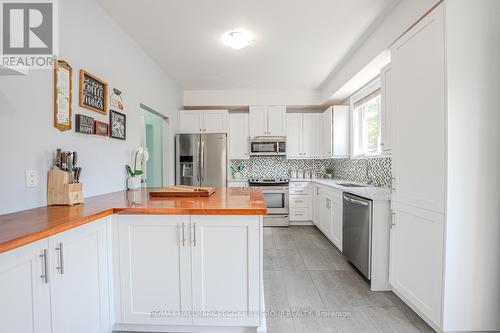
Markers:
93,92
117,125
101,128
62,95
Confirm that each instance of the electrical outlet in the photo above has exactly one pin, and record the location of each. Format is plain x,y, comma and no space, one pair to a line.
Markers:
31,178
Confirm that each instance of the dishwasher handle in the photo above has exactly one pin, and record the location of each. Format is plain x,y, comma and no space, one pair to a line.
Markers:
355,201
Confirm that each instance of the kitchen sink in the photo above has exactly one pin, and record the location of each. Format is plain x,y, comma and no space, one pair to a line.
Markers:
351,185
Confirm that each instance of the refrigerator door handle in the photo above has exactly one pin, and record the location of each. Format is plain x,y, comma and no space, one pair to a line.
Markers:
198,161
202,161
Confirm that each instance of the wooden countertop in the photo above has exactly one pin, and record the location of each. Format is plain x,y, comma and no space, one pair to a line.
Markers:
20,228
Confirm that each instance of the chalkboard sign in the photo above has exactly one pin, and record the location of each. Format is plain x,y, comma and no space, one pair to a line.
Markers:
84,124
93,92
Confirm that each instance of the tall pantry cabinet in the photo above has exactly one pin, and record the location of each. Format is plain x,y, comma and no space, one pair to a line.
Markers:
434,268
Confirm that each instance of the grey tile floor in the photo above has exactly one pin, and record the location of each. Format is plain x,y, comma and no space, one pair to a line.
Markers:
310,287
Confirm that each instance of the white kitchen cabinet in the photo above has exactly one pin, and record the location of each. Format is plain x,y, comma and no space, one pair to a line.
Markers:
203,121
315,204
418,202
79,279
335,132
330,207
387,109
304,135
299,201
237,183
155,268
226,269
267,120
239,136
25,293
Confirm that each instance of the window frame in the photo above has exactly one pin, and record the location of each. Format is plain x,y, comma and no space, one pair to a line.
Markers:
362,93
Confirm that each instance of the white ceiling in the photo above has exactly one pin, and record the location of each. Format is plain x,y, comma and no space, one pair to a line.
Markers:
298,42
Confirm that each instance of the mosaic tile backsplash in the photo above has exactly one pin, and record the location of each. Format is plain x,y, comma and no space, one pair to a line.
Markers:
379,169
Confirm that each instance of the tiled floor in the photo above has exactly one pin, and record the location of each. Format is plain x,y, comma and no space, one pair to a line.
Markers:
304,273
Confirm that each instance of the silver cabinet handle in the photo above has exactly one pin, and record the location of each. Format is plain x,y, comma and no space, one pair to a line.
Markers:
317,190
194,234
393,222
393,186
59,250
44,276
183,234
299,200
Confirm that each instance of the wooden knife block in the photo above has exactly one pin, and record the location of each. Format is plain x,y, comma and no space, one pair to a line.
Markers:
60,192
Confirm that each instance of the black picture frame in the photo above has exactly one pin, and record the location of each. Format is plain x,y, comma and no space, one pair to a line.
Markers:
117,125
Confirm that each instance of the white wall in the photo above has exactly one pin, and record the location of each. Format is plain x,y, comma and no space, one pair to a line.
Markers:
401,18
251,97
472,272
89,40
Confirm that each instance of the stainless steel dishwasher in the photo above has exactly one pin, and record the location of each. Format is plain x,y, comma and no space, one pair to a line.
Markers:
357,232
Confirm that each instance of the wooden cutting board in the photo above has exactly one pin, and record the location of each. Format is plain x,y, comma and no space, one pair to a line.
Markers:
182,191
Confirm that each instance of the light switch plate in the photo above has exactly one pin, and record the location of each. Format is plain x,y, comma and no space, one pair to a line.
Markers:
31,178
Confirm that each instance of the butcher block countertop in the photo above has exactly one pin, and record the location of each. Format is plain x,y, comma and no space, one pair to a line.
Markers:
20,228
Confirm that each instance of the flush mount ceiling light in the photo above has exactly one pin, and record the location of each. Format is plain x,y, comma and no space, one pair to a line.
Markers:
237,39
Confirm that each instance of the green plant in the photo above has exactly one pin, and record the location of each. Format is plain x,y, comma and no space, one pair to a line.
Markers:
329,170
133,173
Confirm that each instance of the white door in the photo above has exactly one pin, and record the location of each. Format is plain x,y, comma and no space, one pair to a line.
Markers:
341,125
294,135
311,135
226,269
24,293
386,91
336,216
238,136
327,133
155,272
416,258
190,122
276,120
326,215
215,121
316,212
418,71
258,121
79,280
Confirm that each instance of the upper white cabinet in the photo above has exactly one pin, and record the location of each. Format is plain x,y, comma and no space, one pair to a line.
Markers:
203,121
267,121
335,132
79,281
418,198
239,135
304,135
387,109
25,289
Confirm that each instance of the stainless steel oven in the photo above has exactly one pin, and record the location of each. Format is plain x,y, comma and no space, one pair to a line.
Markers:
275,193
268,146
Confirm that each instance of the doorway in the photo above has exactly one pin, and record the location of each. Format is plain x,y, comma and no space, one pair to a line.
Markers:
154,131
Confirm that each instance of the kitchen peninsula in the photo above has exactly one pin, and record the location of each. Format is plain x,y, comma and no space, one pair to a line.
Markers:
135,264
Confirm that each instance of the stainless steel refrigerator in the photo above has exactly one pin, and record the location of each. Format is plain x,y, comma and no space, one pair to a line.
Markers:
201,159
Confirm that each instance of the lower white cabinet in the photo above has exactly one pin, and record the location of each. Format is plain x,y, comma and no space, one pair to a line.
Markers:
59,284
299,201
189,270
24,290
330,215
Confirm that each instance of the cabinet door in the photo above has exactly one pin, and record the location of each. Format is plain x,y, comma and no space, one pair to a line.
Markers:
155,272
25,295
327,134
416,258
341,125
386,138
336,217
418,71
79,280
276,120
258,121
238,136
215,121
226,269
311,135
326,215
316,212
294,135
190,122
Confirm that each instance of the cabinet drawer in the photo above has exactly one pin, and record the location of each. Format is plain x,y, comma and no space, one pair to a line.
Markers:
299,214
299,201
299,184
298,190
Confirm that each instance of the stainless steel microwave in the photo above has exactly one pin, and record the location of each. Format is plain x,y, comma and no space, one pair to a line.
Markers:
268,146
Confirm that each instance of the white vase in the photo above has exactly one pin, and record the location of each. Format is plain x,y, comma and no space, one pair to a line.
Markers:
133,183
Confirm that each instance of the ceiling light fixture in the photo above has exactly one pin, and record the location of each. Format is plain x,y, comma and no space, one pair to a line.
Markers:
237,39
